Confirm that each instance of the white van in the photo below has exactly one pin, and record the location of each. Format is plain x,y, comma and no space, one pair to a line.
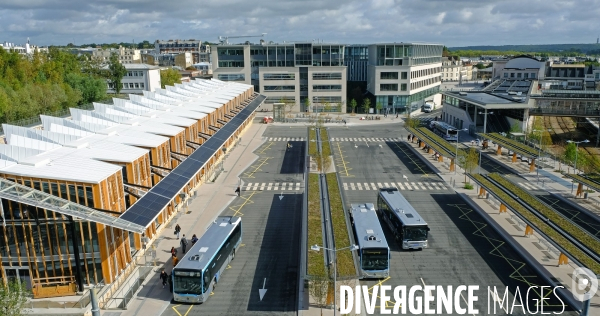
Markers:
428,107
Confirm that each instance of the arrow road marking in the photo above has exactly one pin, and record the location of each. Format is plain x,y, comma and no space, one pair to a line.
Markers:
261,292
281,196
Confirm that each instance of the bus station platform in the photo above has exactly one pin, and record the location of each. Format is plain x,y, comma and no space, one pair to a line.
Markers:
537,247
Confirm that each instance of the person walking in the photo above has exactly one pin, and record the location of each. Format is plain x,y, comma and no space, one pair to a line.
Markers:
164,277
237,191
175,260
173,251
183,243
194,239
177,230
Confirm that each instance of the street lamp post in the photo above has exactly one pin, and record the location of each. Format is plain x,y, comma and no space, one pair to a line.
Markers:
485,113
576,150
539,151
456,156
317,248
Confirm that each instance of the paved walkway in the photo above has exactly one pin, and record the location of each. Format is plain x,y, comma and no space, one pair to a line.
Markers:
209,202
534,245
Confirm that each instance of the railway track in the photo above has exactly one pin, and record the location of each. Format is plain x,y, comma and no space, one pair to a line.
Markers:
564,128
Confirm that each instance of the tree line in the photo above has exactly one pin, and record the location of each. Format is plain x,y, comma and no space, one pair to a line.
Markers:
31,85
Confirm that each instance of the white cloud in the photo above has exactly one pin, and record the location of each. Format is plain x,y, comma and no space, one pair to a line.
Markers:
450,22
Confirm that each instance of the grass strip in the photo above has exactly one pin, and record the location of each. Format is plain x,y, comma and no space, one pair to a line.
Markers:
539,224
591,180
312,141
316,263
508,143
440,141
345,261
430,143
325,148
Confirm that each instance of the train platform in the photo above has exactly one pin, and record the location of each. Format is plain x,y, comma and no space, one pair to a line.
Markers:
545,255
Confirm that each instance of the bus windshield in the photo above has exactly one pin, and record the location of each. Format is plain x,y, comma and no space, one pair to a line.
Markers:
415,233
187,282
375,259
452,132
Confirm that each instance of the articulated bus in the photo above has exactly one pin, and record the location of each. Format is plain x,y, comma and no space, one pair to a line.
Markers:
200,269
447,131
408,226
374,252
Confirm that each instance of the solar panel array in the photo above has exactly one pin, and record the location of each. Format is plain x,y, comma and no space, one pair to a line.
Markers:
147,208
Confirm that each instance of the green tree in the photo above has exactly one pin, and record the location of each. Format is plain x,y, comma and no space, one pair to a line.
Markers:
515,128
13,297
379,107
366,105
327,107
307,104
353,105
569,154
468,160
92,89
116,72
169,77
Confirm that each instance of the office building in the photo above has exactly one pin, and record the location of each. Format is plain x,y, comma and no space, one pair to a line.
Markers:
200,52
138,78
290,73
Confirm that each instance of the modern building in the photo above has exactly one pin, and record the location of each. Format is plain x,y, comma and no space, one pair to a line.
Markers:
200,51
81,196
139,78
309,75
402,76
398,75
126,55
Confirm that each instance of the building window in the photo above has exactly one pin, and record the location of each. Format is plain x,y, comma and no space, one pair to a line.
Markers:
231,64
403,87
327,76
280,88
519,75
533,75
137,85
142,85
279,76
388,87
526,75
404,75
332,87
130,85
231,77
125,86
506,75
284,99
327,99
130,74
388,75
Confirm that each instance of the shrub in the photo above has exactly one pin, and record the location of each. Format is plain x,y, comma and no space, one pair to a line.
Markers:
468,186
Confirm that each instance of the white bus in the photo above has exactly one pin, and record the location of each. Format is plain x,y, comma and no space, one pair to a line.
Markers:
445,130
200,269
409,228
374,252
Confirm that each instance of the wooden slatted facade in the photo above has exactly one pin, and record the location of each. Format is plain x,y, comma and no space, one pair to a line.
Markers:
39,240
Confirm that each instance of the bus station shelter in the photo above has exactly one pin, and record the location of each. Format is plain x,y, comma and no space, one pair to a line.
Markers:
435,143
514,146
591,180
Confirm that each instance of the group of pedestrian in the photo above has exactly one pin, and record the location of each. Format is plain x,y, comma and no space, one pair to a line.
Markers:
183,242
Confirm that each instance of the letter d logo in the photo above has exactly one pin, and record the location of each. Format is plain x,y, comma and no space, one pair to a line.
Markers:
584,284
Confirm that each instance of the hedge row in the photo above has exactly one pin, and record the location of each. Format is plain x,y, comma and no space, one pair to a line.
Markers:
567,226
539,224
325,148
520,146
316,263
312,141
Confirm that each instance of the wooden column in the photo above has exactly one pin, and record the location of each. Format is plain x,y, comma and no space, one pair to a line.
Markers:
562,259
532,165
452,164
502,208
579,189
514,157
528,231
499,150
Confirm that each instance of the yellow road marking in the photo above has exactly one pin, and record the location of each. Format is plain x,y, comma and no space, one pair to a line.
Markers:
267,147
370,291
176,309
228,267
343,162
189,309
425,174
256,168
237,211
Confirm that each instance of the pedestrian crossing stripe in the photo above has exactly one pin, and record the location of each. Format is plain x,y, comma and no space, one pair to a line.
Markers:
364,139
273,186
529,186
285,139
411,186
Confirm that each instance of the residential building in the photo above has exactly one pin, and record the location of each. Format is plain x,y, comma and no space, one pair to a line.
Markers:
129,55
81,197
289,72
200,52
402,76
139,78
182,60
453,69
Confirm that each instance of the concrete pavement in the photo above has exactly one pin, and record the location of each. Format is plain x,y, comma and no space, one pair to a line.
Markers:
210,200
535,245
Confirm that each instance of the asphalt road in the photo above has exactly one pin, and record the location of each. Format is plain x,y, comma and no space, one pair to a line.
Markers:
463,249
269,255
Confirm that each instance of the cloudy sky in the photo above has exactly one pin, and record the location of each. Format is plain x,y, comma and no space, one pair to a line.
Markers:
450,22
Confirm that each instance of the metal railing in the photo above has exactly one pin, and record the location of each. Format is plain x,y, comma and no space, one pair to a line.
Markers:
565,112
124,295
